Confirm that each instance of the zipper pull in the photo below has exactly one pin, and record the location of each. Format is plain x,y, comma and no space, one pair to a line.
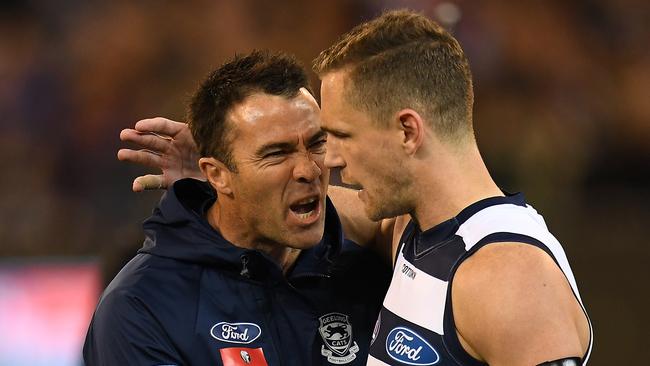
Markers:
244,266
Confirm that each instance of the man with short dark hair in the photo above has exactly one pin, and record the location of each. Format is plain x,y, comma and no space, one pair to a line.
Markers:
250,267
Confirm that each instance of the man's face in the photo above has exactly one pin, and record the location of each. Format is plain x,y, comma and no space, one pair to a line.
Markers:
367,153
281,180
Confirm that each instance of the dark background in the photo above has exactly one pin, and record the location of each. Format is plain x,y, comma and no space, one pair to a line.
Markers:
562,113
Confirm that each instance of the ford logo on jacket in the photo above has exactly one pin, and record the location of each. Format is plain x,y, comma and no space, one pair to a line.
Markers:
236,332
190,297
406,346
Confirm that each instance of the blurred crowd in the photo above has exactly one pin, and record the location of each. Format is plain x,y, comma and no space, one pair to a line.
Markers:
561,108
73,73
561,95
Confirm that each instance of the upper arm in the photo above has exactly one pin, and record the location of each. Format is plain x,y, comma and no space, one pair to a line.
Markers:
124,332
512,305
381,236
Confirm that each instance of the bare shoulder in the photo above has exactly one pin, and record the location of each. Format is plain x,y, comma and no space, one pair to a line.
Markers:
513,305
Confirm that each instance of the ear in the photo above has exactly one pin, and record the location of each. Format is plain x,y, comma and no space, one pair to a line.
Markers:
218,175
412,126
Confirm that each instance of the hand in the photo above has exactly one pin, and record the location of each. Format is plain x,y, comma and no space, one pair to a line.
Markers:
167,145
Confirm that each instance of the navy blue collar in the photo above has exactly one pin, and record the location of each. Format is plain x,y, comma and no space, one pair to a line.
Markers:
446,229
179,229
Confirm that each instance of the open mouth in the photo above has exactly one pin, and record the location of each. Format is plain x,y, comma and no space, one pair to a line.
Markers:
306,208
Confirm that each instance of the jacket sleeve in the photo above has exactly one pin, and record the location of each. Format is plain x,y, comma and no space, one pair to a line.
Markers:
124,332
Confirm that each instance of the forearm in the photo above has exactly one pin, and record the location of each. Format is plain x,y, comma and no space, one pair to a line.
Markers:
375,235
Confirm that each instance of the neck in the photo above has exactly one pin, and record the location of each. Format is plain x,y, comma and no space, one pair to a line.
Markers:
234,229
440,197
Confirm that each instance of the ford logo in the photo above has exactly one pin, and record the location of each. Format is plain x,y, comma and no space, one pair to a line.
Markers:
406,346
243,333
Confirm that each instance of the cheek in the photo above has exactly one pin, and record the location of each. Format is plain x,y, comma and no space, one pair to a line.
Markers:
261,187
352,153
325,172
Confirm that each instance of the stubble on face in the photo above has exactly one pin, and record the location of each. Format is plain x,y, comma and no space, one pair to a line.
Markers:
266,183
368,154
389,196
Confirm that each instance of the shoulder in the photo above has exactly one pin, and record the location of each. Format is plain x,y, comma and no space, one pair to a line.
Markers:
148,287
145,272
137,317
510,297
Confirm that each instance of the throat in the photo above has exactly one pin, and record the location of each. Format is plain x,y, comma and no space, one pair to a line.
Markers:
283,256
235,231
289,260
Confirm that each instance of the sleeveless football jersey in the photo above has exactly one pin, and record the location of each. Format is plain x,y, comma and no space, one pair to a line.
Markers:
416,324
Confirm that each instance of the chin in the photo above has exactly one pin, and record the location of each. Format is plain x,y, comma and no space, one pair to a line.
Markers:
372,210
305,243
375,215
378,212
307,238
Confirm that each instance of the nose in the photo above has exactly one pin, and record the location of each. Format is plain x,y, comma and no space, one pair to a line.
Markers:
306,169
333,158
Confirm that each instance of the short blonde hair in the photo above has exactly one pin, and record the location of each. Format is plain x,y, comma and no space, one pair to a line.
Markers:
404,60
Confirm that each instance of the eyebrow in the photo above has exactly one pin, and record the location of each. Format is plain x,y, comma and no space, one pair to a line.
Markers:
327,130
334,131
286,146
319,135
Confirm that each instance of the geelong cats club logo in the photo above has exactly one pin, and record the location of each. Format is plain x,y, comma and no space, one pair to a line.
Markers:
336,331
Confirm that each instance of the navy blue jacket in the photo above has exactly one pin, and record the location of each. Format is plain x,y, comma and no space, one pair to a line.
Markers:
189,297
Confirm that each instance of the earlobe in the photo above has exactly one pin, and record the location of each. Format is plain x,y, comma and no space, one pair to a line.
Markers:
219,176
412,127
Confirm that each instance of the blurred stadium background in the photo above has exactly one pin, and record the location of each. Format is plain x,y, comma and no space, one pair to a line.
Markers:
562,113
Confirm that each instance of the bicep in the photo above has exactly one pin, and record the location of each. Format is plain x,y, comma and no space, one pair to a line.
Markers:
513,306
124,332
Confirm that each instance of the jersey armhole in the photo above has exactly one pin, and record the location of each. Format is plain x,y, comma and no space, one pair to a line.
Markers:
451,341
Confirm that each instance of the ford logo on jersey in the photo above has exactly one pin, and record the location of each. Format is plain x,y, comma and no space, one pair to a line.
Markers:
406,346
243,333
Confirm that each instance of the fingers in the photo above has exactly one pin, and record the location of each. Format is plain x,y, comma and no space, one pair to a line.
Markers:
146,140
161,126
142,157
148,182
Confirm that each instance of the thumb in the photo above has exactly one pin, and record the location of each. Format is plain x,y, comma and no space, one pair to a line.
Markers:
148,182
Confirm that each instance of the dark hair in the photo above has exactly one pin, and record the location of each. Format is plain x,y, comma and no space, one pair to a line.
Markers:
403,59
230,84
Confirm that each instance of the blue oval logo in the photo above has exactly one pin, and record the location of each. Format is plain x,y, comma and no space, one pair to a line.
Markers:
242,333
406,346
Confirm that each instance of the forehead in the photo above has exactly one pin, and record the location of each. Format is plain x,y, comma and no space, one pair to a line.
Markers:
263,117
337,112
331,90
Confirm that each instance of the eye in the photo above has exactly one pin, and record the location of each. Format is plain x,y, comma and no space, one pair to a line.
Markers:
338,134
275,154
319,145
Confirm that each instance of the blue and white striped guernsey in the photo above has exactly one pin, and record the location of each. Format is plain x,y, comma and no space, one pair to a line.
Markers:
416,324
